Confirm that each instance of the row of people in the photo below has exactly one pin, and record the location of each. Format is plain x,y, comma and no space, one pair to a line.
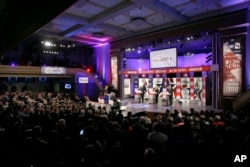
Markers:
156,91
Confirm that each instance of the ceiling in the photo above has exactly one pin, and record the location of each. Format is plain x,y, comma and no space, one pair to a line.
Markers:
94,22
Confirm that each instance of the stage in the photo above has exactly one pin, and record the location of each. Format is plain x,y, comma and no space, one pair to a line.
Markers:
129,104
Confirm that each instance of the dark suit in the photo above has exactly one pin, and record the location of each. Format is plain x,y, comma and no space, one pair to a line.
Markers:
143,90
156,95
170,90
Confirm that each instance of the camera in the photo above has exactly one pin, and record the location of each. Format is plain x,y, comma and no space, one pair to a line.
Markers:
81,132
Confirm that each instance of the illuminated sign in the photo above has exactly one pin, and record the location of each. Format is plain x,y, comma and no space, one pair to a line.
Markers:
169,70
83,80
53,70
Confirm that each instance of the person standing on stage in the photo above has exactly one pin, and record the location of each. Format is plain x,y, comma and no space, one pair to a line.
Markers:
170,90
106,89
143,90
157,91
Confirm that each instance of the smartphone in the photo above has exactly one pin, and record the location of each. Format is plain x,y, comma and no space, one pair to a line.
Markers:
81,132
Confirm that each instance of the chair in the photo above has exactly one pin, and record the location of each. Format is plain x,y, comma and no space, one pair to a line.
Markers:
163,97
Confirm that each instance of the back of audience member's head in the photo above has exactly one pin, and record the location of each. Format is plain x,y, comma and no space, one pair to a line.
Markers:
167,111
61,123
91,122
142,120
158,126
117,154
129,114
90,152
150,157
36,132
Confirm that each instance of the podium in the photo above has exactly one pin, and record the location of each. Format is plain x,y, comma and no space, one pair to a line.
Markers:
151,96
165,98
137,96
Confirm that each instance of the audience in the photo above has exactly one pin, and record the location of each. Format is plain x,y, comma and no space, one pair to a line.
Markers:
43,129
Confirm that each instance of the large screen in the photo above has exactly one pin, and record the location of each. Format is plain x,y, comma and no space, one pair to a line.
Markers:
163,58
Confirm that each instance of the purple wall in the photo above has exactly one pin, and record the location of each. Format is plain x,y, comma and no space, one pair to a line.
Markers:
183,61
103,63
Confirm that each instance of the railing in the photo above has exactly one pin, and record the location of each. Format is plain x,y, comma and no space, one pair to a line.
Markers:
31,71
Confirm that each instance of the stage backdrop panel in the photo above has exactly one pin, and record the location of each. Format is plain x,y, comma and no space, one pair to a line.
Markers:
158,82
185,88
197,88
127,86
142,81
136,83
175,86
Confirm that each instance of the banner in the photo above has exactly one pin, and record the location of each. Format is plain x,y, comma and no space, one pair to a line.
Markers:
127,89
169,70
114,69
232,66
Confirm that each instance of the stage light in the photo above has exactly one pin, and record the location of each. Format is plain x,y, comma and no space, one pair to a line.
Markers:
48,43
124,63
88,69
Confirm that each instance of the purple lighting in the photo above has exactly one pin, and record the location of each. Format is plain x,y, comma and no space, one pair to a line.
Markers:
12,64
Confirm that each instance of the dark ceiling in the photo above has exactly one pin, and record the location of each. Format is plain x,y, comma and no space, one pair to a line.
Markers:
94,22
21,19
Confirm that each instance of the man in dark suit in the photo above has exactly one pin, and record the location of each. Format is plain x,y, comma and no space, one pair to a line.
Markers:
143,90
157,91
170,90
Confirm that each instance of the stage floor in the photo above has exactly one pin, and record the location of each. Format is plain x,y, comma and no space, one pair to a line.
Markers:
128,104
